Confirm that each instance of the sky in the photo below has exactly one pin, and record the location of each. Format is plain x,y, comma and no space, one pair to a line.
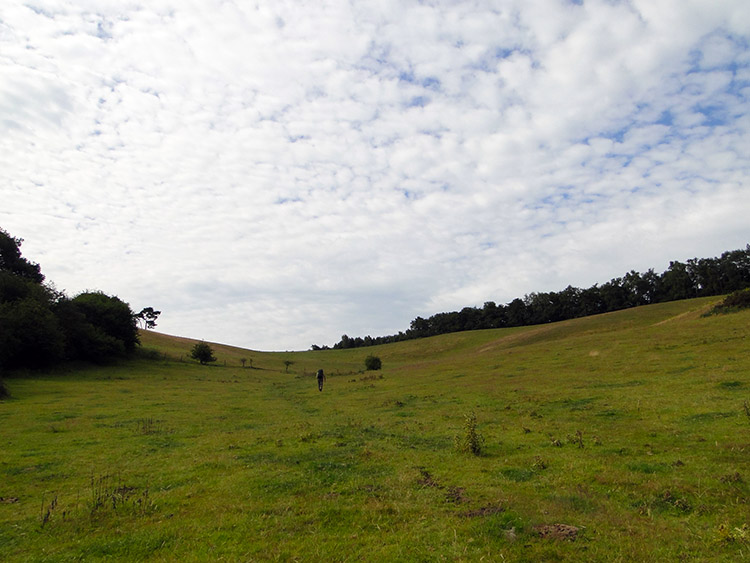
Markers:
276,174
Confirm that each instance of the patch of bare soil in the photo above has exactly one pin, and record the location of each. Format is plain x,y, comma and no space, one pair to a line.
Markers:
426,479
456,495
557,532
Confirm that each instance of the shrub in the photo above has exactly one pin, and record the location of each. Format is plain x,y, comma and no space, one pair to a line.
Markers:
471,441
203,353
738,299
373,363
733,302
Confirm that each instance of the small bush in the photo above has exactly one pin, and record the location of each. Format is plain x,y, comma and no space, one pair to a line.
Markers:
373,363
203,353
733,302
738,299
471,441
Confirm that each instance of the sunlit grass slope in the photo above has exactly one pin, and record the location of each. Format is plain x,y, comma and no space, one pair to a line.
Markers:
621,437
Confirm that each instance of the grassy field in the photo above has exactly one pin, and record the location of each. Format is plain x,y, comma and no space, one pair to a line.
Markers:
621,437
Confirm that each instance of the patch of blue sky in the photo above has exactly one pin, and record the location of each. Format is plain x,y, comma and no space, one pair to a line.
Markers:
40,11
616,135
714,115
382,141
407,76
625,159
436,133
699,62
739,87
377,61
431,83
560,196
666,118
410,195
103,30
591,198
488,61
418,101
287,200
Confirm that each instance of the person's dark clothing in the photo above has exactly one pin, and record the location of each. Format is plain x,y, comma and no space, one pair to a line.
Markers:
321,379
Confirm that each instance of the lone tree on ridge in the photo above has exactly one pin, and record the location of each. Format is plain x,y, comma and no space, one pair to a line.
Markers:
203,353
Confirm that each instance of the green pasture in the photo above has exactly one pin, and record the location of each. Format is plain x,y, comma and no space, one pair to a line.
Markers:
620,437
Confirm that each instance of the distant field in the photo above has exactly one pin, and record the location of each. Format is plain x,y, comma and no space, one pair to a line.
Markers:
620,437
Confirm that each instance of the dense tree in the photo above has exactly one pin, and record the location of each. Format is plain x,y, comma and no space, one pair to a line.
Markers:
517,314
570,302
493,316
40,326
12,261
614,295
203,353
148,317
30,335
29,332
591,302
734,270
97,327
109,316
419,327
677,283
373,363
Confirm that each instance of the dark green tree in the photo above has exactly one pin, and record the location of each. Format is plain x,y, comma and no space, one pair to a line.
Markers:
591,302
203,353
110,316
148,317
12,261
373,363
614,295
40,326
85,340
30,335
676,283
517,314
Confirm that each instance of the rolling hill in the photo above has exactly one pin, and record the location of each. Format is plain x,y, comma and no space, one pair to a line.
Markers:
624,436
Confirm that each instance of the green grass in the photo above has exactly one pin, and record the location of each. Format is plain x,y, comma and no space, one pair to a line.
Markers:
630,426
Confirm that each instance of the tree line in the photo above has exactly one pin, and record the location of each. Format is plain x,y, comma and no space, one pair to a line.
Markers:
41,326
698,277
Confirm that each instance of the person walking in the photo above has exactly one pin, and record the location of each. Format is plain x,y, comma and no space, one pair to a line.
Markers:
321,379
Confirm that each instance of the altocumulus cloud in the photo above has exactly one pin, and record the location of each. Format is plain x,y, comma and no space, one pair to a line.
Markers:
274,175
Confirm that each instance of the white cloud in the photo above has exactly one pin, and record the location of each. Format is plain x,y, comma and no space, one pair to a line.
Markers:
279,174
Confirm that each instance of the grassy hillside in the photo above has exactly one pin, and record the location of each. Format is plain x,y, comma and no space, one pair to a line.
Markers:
618,437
